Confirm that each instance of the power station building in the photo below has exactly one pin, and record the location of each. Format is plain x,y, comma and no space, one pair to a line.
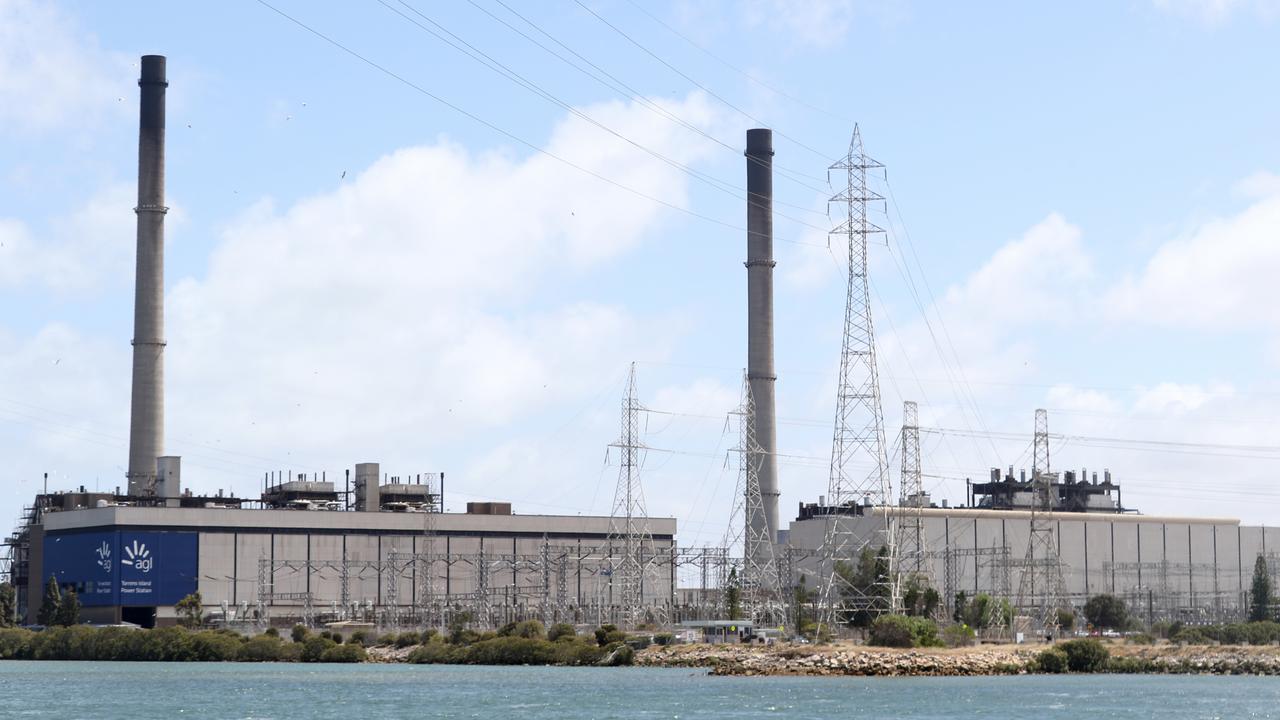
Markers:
381,550
1165,568
389,565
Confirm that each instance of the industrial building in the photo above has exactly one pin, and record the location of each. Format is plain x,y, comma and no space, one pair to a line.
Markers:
389,566
1166,568
380,549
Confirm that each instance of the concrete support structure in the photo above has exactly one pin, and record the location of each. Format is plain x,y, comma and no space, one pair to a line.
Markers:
146,422
368,497
169,479
760,370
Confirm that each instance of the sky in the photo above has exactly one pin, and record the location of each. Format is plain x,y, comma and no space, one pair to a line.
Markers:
436,235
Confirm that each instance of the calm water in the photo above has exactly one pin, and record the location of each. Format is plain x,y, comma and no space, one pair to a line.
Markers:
129,691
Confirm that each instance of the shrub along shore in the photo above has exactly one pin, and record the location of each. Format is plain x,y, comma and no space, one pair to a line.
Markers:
526,643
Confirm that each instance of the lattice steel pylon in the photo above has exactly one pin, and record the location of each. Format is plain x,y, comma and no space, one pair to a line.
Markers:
759,580
630,540
859,425
1041,591
424,572
911,549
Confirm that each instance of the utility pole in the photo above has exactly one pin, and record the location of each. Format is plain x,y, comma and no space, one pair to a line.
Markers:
630,541
1040,589
911,544
759,579
859,425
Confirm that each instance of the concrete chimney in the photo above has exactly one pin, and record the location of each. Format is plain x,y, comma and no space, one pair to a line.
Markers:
146,422
760,372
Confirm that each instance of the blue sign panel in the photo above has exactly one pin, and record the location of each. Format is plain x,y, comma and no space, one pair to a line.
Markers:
125,567
86,562
157,568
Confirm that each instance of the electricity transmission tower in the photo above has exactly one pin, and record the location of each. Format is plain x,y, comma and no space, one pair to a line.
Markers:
631,546
759,580
859,425
1040,589
911,529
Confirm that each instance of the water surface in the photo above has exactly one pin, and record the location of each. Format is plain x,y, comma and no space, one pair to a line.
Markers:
234,691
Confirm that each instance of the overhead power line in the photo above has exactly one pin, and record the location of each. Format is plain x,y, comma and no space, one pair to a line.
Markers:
506,133
483,58
767,86
704,88
616,84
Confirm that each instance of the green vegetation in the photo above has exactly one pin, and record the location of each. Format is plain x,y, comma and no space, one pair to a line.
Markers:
609,635
1050,660
733,596
68,612
1260,592
1107,612
561,630
958,636
48,613
918,598
985,611
190,610
903,631
864,588
1085,655
526,644
1066,620
8,605
1264,632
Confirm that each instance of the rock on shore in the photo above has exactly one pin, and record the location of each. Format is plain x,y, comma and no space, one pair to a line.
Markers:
851,659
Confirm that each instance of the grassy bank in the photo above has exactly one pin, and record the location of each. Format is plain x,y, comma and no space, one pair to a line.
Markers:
517,644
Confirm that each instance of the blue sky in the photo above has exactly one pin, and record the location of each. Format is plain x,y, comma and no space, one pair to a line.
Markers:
1086,203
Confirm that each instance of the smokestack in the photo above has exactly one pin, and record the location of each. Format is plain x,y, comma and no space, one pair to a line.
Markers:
146,422
760,372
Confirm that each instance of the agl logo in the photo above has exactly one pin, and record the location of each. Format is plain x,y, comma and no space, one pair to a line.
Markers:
104,556
138,556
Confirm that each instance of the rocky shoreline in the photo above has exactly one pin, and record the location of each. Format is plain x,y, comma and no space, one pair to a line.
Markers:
859,660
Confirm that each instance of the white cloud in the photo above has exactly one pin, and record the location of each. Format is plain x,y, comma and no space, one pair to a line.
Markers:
1221,276
1077,399
391,313
51,74
1177,399
817,22
95,244
1217,11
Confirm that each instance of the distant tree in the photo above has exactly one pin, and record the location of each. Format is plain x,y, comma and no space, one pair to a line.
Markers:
864,588
68,611
49,605
918,598
733,596
1107,611
961,604
8,605
1066,619
459,623
190,609
561,630
1260,592
802,596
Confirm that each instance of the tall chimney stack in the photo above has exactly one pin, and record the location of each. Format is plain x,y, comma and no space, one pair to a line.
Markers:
760,372
146,422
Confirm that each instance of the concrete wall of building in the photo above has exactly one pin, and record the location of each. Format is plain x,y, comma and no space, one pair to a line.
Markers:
301,553
1177,565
